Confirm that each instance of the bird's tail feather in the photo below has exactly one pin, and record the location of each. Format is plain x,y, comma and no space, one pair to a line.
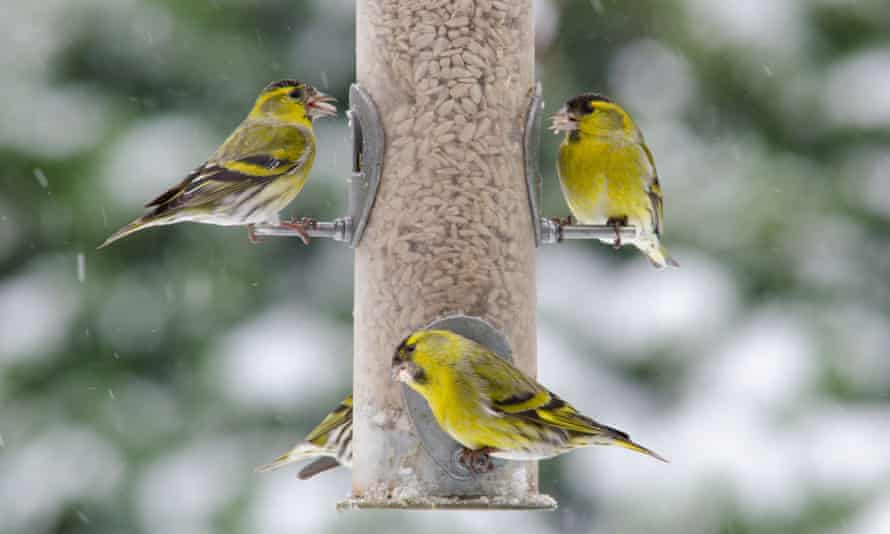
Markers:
657,254
139,224
627,443
302,451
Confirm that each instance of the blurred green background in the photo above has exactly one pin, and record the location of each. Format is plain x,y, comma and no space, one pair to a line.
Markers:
140,384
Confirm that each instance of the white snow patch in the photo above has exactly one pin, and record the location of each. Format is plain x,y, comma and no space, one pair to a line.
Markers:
651,78
769,362
844,447
282,505
36,130
286,356
633,309
153,156
408,488
760,26
38,479
185,488
857,90
35,311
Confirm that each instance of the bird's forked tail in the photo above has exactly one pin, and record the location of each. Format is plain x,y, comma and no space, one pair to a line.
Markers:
139,224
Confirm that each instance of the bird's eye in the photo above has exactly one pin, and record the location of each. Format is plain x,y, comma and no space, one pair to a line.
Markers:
297,93
409,349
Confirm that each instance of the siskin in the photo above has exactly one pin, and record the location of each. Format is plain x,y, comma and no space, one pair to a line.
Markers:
330,442
256,172
608,174
491,407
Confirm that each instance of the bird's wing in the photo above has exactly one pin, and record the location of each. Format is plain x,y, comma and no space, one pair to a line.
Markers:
341,415
654,191
509,391
254,154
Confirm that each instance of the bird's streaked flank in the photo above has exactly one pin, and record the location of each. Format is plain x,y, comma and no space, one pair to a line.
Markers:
255,173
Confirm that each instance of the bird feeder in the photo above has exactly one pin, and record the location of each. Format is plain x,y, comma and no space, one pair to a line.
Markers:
450,232
443,213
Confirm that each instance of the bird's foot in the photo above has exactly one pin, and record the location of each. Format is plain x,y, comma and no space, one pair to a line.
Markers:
563,221
301,227
477,461
616,223
251,234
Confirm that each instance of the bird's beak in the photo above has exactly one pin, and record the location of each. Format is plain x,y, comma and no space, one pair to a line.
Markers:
403,372
563,121
321,105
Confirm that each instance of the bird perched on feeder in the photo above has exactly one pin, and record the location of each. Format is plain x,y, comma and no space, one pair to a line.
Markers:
255,173
491,407
330,442
608,174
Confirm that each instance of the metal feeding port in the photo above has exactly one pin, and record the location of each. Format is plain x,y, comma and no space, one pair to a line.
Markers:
549,231
367,164
469,490
442,449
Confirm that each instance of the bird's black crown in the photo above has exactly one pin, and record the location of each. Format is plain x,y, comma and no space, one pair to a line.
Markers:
584,103
282,83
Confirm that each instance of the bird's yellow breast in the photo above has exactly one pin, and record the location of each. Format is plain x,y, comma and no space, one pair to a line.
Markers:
457,408
604,177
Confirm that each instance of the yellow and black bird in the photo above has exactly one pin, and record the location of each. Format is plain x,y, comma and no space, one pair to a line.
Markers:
330,442
255,173
491,407
608,174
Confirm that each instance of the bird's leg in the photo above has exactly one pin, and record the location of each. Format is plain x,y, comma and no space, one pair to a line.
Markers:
566,221
616,223
251,234
477,461
301,226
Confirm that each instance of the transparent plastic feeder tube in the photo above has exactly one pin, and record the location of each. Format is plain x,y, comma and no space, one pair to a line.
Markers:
450,230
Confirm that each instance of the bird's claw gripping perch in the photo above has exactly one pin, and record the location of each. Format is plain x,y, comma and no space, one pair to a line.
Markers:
301,227
616,223
477,461
563,221
251,234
